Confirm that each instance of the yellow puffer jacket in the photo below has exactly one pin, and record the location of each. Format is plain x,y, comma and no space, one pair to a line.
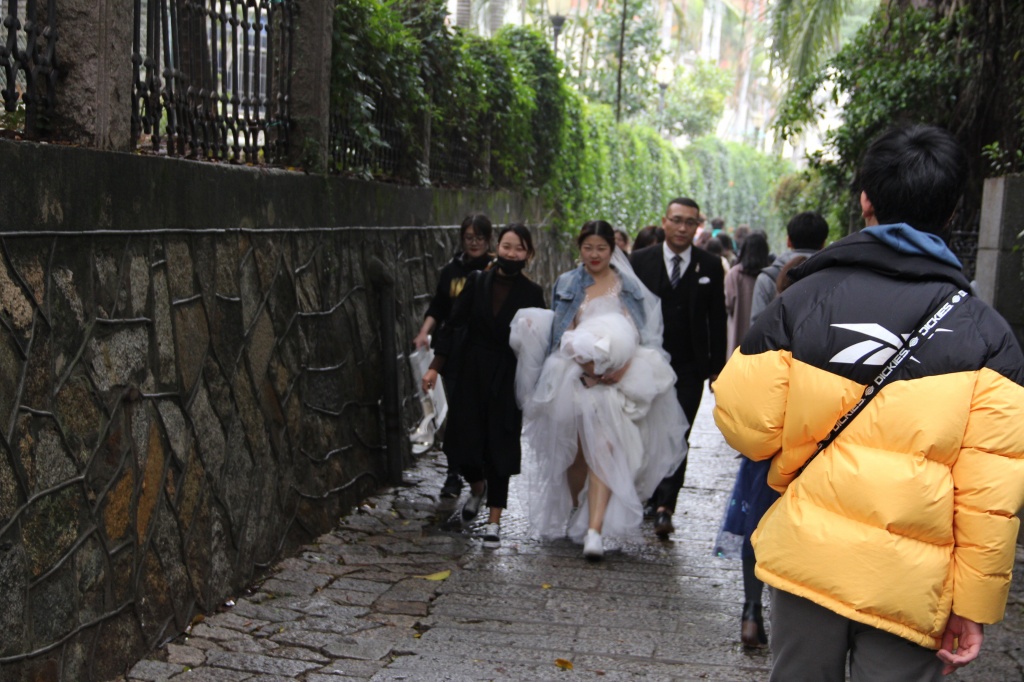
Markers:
909,514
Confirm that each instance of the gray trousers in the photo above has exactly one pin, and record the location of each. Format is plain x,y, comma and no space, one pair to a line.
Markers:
810,644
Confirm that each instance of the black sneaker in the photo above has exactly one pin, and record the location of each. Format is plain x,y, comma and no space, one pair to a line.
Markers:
452,486
663,524
472,505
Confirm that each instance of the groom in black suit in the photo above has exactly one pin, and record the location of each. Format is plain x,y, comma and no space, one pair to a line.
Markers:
690,283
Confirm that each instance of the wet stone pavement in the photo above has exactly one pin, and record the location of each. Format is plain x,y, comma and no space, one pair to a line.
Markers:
401,590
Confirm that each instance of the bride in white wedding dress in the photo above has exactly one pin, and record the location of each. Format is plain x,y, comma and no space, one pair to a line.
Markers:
602,425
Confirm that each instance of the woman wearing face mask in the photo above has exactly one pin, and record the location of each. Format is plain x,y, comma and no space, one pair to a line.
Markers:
602,422
475,237
484,421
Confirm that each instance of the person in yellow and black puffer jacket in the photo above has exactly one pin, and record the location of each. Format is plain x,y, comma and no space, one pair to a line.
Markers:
898,539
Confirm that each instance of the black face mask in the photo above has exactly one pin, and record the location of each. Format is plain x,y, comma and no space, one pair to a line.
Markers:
511,267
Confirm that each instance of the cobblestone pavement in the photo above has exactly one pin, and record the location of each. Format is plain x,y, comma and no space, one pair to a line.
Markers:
374,600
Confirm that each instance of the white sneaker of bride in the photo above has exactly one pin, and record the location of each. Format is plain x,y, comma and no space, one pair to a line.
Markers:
593,546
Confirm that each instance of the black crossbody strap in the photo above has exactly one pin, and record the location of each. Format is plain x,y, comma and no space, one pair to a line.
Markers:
922,332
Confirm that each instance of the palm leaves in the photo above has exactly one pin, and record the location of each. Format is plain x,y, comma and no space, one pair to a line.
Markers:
804,34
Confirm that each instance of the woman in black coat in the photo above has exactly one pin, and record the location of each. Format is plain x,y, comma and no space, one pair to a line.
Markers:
475,238
484,422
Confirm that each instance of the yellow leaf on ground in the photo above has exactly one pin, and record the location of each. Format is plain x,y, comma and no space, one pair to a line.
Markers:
563,664
545,586
440,575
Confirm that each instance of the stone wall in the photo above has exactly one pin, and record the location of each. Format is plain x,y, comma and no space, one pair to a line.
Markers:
1000,272
190,382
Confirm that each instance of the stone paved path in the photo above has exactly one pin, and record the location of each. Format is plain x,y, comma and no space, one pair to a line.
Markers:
356,605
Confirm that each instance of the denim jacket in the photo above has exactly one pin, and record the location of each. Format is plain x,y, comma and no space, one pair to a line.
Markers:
570,291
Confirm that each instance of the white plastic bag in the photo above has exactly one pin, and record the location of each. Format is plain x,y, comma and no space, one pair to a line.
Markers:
434,402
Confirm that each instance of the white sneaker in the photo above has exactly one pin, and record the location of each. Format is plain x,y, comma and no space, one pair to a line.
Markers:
492,537
593,546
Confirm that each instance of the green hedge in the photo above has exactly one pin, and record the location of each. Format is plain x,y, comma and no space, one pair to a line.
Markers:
503,100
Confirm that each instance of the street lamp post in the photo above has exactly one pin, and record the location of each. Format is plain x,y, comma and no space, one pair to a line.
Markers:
557,12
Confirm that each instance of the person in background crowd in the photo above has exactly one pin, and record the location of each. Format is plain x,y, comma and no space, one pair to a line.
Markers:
475,239
622,241
739,235
484,421
717,226
805,235
702,238
602,423
751,494
728,248
689,283
714,247
891,546
652,234
739,289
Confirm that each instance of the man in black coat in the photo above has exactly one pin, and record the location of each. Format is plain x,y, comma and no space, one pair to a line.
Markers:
690,283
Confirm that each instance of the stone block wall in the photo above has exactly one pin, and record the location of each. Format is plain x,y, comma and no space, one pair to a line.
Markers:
1000,273
181,405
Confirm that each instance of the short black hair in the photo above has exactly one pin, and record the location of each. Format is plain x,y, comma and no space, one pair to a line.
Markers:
807,230
523,232
683,201
718,223
601,228
914,174
480,223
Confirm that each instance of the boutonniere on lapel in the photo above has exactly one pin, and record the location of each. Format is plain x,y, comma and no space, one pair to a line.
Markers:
704,280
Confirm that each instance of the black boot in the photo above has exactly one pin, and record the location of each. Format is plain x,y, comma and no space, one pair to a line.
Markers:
452,485
752,627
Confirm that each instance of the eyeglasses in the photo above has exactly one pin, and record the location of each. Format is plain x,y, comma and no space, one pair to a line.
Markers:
473,239
688,222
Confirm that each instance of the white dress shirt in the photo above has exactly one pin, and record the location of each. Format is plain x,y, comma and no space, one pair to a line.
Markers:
669,254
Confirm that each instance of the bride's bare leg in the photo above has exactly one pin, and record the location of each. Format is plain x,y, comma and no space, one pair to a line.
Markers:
577,476
598,495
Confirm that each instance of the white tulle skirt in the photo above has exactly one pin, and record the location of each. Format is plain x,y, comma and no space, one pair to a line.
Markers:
631,433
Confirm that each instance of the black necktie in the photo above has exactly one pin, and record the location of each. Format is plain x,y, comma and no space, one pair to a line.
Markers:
676,274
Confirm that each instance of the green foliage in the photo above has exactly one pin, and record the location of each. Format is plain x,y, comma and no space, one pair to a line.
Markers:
912,75
803,32
735,181
694,100
510,103
504,104
641,54
808,190
13,120
1002,161
540,70
375,69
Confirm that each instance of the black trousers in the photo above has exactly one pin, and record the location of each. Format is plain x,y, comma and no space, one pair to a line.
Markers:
497,484
689,391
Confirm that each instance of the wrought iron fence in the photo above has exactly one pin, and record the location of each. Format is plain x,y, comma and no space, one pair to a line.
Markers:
28,79
381,148
371,149
212,78
451,160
